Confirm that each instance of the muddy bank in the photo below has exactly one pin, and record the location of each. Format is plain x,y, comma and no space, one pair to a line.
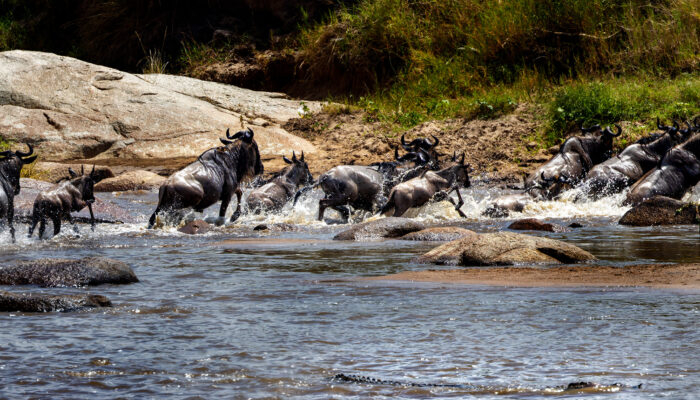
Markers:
685,276
348,138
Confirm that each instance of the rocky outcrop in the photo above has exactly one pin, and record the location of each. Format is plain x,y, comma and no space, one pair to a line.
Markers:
391,227
132,180
440,234
54,272
661,210
70,109
533,224
195,227
504,248
20,302
693,195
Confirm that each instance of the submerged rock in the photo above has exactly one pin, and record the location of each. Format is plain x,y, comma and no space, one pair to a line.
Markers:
440,234
391,227
661,210
132,180
53,272
504,248
533,224
195,227
20,302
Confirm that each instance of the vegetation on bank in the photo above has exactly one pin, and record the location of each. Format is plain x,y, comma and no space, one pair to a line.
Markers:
408,61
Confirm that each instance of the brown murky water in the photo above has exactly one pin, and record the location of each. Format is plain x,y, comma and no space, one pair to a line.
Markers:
241,314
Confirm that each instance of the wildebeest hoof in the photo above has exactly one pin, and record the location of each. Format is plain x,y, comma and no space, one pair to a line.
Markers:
235,216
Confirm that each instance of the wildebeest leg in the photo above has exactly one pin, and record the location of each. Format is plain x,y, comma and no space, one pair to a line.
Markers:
42,226
344,211
587,162
152,220
459,204
72,222
237,213
92,217
332,202
11,217
56,218
35,220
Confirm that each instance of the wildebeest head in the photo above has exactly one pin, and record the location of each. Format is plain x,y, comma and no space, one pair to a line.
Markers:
421,143
246,149
457,172
11,163
298,169
84,183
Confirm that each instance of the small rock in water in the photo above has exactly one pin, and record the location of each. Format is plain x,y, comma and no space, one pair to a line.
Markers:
661,210
532,224
16,302
261,227
195,227
390,227
575,225
53,272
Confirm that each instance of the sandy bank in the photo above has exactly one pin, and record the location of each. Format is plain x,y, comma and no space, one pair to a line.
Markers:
686,276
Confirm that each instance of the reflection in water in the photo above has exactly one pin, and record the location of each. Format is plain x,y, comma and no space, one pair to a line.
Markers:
244,313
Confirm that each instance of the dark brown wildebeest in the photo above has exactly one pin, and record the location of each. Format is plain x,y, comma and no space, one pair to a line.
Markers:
73,194
615,174
575,158
11,164
216,175
275,194
430,185
679,170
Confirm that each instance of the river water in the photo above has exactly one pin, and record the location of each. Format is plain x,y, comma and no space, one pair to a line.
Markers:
237,313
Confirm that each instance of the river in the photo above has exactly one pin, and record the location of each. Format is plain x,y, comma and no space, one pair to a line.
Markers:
238,313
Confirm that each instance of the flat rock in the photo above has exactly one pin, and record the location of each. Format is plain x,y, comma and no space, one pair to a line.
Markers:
53,172
195,227
440,234
54,272
533,224
504,248
661,210
391,227
20,302
693,195
131,180
73,110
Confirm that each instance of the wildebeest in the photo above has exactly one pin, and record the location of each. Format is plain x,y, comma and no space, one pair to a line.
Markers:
679,170
576,157
418,191
416,145
621,171
275,194
354,185
11,163
73,194
547,189
216,175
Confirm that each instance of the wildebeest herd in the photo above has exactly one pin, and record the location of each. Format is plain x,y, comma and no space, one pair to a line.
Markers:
665,163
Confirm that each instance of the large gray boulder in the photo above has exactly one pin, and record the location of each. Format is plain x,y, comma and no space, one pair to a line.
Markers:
661,210
70,109
54,272
504,248
391,227
21,302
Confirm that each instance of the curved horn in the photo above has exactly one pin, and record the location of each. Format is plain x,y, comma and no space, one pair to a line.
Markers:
294,156
546,180
437,141
225,141
228,133
403,140
248,135
454,156
302,156
288,161
5,153
396,153
658,124
590,128
71,172
92,173
27,154
608,131
461,161
82,169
